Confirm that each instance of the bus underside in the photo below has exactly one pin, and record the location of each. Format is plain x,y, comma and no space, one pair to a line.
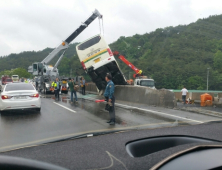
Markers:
98,75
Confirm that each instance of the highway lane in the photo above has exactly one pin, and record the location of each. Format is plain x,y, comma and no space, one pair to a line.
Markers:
60,119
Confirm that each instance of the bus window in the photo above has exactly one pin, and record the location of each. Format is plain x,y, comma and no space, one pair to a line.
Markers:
89,43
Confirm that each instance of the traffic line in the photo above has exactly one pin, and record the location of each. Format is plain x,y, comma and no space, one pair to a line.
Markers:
152,111
65,107
166,114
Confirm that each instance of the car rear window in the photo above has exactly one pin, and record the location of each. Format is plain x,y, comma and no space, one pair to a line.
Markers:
19,86
9,80
89,43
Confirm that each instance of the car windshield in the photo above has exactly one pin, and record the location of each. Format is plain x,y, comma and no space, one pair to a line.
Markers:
19,87
149,83
85,68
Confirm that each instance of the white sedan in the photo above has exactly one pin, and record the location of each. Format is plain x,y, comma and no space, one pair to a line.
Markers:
17,96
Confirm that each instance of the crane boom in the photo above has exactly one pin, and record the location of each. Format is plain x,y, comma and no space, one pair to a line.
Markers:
65,44
121,57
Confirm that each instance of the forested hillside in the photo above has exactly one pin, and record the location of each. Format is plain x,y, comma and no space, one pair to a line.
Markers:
173,56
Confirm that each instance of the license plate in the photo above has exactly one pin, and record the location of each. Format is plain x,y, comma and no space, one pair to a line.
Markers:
97,60
20,97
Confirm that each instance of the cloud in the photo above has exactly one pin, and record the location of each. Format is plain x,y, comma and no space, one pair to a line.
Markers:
37,24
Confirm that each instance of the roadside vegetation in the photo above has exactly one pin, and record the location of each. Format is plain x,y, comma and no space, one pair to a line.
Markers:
21,72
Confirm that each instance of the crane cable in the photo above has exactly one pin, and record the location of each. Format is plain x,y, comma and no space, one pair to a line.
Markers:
101,30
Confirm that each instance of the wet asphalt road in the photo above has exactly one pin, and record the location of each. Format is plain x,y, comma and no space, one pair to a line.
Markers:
60,119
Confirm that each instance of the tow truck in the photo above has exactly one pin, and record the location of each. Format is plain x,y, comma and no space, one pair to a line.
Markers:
140,79
46,73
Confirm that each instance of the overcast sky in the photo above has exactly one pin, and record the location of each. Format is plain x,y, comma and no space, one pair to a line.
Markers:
27,25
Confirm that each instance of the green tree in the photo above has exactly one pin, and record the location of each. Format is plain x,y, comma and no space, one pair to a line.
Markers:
21,72
218,61
195,82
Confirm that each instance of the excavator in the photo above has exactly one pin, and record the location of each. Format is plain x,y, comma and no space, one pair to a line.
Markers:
140,79
47,73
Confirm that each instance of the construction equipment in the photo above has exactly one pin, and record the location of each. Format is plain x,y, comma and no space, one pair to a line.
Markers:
47,73
140,80
121,57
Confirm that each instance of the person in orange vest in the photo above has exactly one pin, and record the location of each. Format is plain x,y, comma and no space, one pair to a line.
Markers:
83,85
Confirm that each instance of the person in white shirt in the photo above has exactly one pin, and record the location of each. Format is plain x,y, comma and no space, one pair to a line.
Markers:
184,94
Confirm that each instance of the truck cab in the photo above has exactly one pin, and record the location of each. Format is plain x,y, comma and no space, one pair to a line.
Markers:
144,81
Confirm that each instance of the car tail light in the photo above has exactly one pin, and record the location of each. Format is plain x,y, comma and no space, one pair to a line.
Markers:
6,97
110,52
34,95
83,65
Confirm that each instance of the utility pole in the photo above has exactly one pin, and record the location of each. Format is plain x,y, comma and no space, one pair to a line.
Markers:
207,77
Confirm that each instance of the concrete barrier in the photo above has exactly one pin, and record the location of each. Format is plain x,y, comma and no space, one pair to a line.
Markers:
91,87
140,95
145,95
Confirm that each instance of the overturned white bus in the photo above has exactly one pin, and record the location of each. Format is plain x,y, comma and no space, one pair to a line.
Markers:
97,60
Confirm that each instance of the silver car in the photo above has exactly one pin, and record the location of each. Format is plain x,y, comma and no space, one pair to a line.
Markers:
16,96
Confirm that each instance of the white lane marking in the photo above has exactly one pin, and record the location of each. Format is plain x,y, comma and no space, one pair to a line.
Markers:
65,107
161,113
152,111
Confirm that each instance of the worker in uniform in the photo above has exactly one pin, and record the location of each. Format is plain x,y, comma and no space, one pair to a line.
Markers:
76,87
54,85
36,82
109,95
57,88
26,81
83,82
